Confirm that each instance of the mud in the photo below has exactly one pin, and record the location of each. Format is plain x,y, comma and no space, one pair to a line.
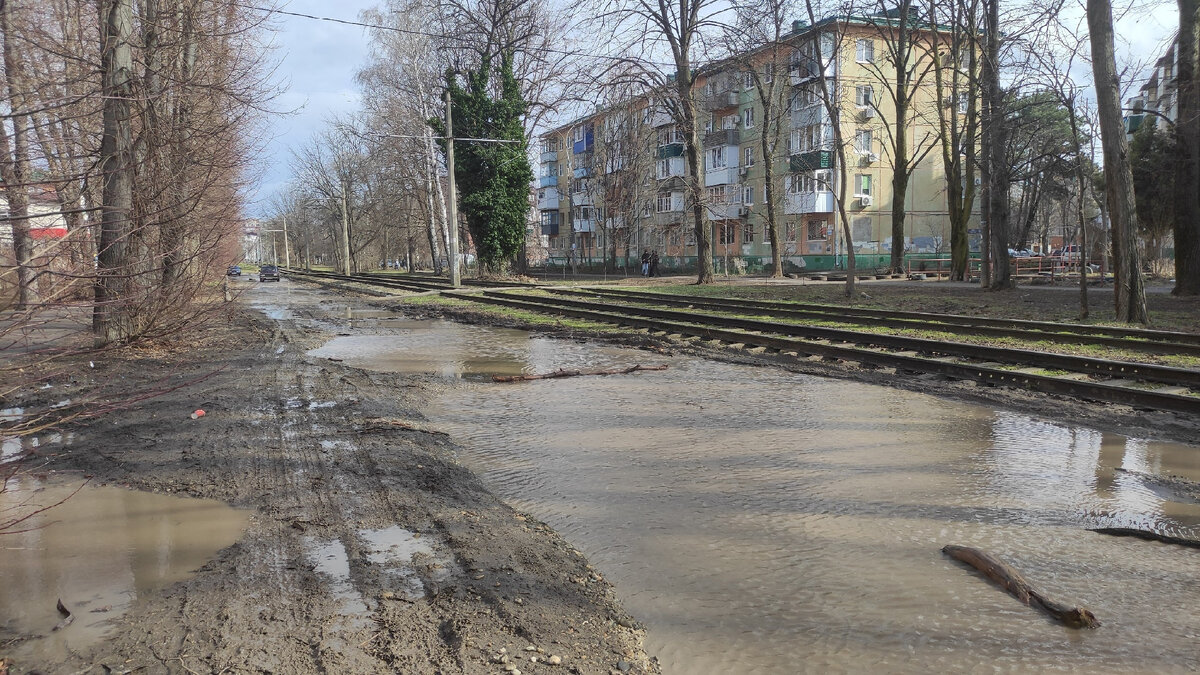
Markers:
368,549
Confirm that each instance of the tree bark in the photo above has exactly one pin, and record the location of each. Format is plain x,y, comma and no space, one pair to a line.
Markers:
1130,293
1187,170
687,102
110,320
14,165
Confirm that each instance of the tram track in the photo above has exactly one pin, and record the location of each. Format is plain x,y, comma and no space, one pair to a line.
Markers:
1130,339
1139,385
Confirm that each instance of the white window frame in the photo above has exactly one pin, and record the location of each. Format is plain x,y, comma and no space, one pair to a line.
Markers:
863,183
748,195
748,233
748,117
864,96
808,230
715,158
864,142
664,199
864,50
747,80
748,153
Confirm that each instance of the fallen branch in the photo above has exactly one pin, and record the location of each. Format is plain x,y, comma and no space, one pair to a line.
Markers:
67,617
1147,535
1012,581
574,373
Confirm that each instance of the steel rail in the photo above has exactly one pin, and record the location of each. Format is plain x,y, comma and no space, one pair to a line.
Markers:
1159,342
986,353
986,374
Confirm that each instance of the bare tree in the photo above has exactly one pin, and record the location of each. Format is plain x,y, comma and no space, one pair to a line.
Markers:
1129,289
1187,168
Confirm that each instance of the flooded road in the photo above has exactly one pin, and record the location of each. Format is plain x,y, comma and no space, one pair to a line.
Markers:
97,552
759,521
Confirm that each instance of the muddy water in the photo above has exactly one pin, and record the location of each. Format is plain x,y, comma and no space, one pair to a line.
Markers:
762,522
97,551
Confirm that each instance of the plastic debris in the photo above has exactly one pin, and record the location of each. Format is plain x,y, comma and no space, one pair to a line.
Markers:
198,414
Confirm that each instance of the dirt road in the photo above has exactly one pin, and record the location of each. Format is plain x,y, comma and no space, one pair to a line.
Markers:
370,550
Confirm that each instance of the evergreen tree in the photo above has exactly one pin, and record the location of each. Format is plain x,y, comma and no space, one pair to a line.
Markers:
492,178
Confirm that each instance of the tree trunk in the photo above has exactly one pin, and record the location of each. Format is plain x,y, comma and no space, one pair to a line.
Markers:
1187,170
14,165
704,265
1129,289
769,111
110,320
900,169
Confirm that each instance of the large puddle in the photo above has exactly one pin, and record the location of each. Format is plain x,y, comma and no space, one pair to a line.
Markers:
97,552
759,521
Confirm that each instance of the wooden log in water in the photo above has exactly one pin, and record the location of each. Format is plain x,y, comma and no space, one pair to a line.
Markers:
574,373
1011,580
1148,535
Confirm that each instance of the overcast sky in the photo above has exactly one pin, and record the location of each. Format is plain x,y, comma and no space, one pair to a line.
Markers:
318,59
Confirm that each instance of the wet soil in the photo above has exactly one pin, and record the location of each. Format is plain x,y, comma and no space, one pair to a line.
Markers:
332,461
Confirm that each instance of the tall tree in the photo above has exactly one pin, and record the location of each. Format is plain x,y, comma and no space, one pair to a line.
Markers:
493,176
681,26
1130,293
1187,171
14,159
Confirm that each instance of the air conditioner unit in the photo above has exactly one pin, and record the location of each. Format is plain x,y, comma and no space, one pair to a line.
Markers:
743,211
865,199
743,170
866,112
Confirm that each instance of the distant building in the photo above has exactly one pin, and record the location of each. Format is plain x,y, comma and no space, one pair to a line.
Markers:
1157,101
587,212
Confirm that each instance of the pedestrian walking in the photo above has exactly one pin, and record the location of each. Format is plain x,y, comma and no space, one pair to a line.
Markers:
654,263
645,263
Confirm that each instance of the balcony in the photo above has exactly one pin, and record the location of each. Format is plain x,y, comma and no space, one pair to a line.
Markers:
724,176
581,225
547,181
720,100
722,137
726,211
584,144
808,202
550,229
582,172
667,218
811,161
670,150
548,199
550,156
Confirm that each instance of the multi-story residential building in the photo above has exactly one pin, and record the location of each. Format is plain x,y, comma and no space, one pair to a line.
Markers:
1156,100
579,198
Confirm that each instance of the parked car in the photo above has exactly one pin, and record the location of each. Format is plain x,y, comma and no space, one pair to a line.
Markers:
268,273
233,271
1019,253
1067,252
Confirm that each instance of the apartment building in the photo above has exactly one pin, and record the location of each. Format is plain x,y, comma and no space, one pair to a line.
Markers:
615,183
1156,101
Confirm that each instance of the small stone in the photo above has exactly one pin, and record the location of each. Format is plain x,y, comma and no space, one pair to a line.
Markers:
510,667
503,650
519,601
477,576
623,666
531,648
541,651
533,659
388,595
554,659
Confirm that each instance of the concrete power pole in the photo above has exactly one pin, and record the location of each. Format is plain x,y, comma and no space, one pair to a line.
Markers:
451,198
345,230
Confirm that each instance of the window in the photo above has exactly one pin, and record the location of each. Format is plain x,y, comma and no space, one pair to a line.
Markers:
708,90
748,118
864,96
717,195
579,134
748,80
864,51
550,169
665,203
863,142
962,103
748,195
789,231
550,145
748,233
809,94
862,185
728,234
669,136
673,237
730,122
816,231
708,124
749,153
716,158
689,237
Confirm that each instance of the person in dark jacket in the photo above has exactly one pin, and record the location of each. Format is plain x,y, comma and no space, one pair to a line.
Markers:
645,263
654,263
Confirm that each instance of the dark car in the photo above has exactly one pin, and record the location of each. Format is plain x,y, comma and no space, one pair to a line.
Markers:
268,273
233,271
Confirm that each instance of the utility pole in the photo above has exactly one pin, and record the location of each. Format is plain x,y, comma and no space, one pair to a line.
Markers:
287,259
452,198
345,229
